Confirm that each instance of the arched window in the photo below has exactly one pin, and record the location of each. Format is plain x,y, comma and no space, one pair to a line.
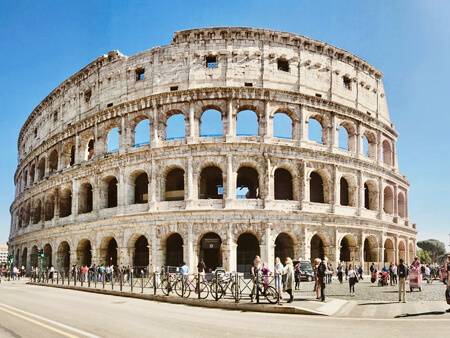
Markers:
175,185
32,174
316,188
41,168
211,123
247,248
247,123
343,138
65,203
282,126
387,153
401,205
247,183
344,192
315,131
141,188
37,212
175,128
141,252
284,246
53,161
388,201
283,184
365,146
90,149
211,183
174,250
49,207
142,133
110,192
85,199
370,196
113,140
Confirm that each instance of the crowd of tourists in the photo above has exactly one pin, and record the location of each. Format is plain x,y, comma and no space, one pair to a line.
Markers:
14,273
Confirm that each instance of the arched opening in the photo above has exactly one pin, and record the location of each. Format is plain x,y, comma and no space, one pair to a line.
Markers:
284,247
24,257
211,183
347,249
17,257
53,161
63,257
387,152
247,123
210,251
401,205
108,251
49,207
344,192
411,251
84,252
175,128
34,256
317,248
32,174
247,183
85,200
389,256
370,250
25,178
72,156
282,126
141,252
142,133
316,131
175,185
369,148
37,212
283,184
110,192
402,251
141,188
211,123
112,140
174,250
388,205
344,138
47,260
316,188
41,168
90,149
247,249
65,203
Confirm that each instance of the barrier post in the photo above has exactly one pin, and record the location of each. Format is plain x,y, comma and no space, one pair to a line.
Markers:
154,283
198,284
131,279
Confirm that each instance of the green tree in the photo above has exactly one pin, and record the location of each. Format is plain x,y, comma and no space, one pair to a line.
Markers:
434,248
424,256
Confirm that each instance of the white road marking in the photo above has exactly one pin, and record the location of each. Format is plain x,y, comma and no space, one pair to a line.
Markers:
26,315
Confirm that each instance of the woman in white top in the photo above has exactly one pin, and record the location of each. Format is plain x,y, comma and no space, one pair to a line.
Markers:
352,279
278,270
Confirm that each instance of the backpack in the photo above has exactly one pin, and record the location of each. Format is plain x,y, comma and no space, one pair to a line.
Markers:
401,271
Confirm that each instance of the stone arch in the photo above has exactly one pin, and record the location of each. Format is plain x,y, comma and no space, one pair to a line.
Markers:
37,212
141,131
48,253
371,249
347,136
317,129
210,250
387,152
247,122
24,258
41,168
401,204
108,251
283,184
319,191
284,246
318,247
85,198
49,212
369,144
402,251
68,154
173,245
63,257
348,190
246,250
174,184
388,203
65,202
34,256
211,183
370,195
141,251
109,191
347,252
53,161
247,183
411,251
90,149
175,125
283,125
84,252
389,251
211,122
113,140
139,182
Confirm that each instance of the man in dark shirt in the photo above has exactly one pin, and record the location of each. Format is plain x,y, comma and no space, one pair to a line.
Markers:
402,271
321,271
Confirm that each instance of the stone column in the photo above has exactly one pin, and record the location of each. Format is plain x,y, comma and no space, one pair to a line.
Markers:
153,186
231,183
335,195
193,130
358,136
332,138
268,132
270,196
231,123
123,136
303,126
304,187
360,193
154,133
156,263
395,197
232,250
380,198
361,250
77,149
188,251
75,187
379,154
190,184
267,249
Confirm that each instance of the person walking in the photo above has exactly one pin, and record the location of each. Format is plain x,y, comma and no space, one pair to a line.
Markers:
402,275
297,272
448,281
321,274
201,266
352,279
288,272
256,273
278,272
340,272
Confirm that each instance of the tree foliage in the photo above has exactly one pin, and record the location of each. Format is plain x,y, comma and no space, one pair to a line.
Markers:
424,256
434,247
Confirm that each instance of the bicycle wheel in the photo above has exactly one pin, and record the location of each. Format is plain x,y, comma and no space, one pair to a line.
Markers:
165,287
182,289
216,291
233,291
203,290
271,295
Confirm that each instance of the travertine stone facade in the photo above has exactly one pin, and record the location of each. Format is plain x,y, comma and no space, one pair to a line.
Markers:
152,203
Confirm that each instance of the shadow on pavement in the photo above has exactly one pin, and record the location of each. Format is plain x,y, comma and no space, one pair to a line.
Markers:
377,303
404,315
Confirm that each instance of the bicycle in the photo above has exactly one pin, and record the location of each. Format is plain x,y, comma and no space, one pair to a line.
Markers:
168,282
185,285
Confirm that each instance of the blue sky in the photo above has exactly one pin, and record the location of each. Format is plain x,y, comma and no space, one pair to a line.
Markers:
44,42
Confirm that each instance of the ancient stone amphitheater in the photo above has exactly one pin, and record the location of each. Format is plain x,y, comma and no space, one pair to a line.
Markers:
89,190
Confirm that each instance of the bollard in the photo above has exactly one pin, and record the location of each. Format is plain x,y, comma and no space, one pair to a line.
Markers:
236,288
89,278
142,283
154,283
216,281
198,284
112,281
257,288
103,280
131,279
121,277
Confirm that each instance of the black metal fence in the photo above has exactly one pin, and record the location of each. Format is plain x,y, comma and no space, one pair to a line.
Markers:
219,285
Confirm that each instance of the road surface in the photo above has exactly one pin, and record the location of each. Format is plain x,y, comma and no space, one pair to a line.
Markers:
35,311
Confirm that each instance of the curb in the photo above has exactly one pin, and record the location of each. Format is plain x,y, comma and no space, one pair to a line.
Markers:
268,308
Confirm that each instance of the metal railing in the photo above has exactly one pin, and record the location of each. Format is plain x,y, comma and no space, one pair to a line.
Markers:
219,285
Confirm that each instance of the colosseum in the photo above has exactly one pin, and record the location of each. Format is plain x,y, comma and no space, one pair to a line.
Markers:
224,144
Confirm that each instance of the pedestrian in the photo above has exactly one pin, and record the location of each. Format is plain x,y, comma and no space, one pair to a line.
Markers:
316,279
340,272
288,272
184,270
321,275
297,272
346,271
402,275
256,273
265,272
201,266
394,274
278,272
352,279
51,273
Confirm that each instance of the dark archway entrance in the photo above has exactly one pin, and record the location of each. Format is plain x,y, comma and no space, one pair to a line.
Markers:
348,246
63,257
284,247
24,257
34,256
174,250
141,252
247,249
110,257
47,256
210,250
84,255
317,248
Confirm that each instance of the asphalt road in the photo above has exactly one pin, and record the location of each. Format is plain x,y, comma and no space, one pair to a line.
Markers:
34,311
